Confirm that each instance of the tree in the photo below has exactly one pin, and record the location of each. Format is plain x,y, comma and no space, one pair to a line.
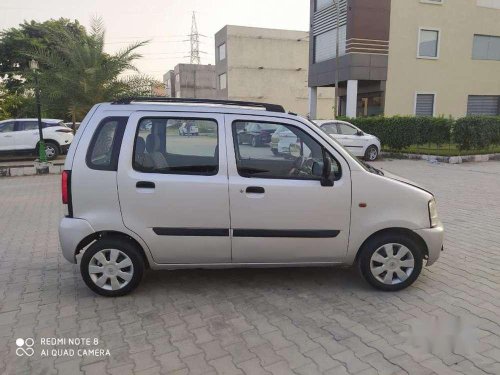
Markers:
29,35
75,72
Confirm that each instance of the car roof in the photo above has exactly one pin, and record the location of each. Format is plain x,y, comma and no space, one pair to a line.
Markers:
193,107
323,122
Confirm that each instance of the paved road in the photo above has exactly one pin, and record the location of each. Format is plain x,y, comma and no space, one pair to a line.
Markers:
281,321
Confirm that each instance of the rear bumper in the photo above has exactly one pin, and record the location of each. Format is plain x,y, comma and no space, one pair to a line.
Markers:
433,237
71,232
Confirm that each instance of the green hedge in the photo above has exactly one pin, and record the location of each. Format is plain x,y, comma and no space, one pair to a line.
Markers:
400,132
477,132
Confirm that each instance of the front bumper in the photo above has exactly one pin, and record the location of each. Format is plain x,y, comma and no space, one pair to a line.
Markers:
433,237
71,232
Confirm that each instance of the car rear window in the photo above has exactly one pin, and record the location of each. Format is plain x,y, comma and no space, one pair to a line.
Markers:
104,148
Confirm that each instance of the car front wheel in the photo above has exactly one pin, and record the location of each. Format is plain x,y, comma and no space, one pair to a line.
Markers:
371,153
391,262
112,267
255,142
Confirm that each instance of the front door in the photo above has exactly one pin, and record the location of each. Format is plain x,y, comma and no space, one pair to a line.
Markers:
173,190
280,212
349,138
7,136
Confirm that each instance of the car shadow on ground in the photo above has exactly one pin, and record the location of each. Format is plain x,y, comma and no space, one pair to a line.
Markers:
290,280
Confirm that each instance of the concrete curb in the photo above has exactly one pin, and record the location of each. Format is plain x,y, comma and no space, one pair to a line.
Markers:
28,170
443,159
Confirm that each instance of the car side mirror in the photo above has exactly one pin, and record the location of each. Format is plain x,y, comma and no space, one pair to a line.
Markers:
359,133
326,177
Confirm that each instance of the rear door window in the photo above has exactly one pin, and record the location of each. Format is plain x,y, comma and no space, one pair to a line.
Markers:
7,127
105,146
162,147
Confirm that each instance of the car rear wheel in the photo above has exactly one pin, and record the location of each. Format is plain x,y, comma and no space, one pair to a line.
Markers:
371,153
391,262
112,267
51,150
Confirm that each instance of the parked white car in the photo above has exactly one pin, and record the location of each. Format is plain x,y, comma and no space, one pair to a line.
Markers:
353,138
22,136
149,199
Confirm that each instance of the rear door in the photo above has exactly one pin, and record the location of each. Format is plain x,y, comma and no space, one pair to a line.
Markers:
280,212
7,136
173,190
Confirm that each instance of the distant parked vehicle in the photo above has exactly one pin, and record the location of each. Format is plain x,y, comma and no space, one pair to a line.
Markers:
256,134
188,129
281,140
22,136
354,139
70,125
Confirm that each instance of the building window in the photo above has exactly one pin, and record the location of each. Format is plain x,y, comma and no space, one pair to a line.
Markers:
483,105
325,45
223,81
425,104
428,43
495,4
432,1
222,51
486,47
320,4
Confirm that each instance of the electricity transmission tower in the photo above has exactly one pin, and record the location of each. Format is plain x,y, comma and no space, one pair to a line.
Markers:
195,42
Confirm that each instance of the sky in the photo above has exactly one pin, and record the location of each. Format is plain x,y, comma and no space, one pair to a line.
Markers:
166,23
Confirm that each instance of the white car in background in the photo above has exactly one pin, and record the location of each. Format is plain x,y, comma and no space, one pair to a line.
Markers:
354,139
188,129
22,136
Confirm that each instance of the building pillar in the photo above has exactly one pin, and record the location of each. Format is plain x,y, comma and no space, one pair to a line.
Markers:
352,98
313,103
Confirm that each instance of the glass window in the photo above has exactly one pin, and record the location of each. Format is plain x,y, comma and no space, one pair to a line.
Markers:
105,145
177,146
280,151
325,45
222,52
222,81
424,105
486,47
330,128
428,43
28,125
7,127
320,4
345,129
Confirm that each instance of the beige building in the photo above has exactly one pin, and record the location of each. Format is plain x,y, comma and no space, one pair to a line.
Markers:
408,57
266,65
190,81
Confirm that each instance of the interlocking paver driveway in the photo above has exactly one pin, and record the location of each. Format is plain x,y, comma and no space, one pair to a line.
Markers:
280,321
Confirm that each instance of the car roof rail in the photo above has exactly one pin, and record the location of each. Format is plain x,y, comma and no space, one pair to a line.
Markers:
160,99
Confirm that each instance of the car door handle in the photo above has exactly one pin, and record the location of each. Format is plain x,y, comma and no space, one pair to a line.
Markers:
255,190
145,185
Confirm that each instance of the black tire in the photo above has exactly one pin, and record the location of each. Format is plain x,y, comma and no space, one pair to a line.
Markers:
240,140
122,245
275,152
371,153
255,142
52,150
376,243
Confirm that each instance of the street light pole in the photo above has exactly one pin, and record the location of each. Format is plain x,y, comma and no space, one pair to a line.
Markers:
42,157
337,49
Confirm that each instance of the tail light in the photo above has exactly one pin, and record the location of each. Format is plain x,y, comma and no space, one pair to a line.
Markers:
65,181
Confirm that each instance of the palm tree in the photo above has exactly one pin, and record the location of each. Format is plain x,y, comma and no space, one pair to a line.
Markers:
77,73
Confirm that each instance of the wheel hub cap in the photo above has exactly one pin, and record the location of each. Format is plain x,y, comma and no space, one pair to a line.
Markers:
392,263
111,269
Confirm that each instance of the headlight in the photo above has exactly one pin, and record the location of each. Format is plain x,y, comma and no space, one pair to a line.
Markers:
433,215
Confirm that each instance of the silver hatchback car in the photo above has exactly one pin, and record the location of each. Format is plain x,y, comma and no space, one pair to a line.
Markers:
140,194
